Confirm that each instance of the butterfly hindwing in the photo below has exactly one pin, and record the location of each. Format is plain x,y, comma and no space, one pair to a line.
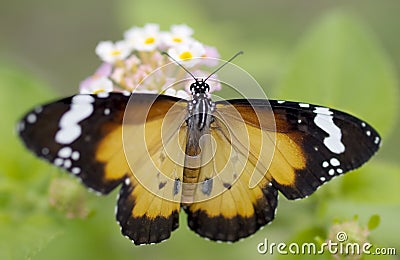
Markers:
143,216
149,201
237,213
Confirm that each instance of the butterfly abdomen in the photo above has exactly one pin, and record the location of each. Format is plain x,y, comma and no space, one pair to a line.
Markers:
192,167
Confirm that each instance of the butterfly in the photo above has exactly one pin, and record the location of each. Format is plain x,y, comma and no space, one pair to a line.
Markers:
222,162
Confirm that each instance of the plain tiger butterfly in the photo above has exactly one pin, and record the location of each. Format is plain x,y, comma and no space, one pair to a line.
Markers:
198,155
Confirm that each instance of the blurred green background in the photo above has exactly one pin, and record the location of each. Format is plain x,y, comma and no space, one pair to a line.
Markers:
343,54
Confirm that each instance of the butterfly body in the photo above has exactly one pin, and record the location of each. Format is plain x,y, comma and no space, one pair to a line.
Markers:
200,109
223,162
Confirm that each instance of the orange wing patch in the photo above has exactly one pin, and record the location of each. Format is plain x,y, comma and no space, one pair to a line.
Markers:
110,153
287,160
149,201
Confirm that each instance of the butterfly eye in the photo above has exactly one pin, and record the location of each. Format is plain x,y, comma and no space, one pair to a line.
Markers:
206,87
193,87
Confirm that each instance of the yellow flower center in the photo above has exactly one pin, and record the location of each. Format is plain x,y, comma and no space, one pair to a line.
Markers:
185,55
149,40
177,39
100,90
115,53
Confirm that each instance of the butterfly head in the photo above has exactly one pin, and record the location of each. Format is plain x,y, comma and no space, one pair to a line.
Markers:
199,86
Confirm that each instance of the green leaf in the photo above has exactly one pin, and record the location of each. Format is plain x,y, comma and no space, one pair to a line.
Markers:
24,239
20,93
140,12
374,221
340,64
375,183
25,226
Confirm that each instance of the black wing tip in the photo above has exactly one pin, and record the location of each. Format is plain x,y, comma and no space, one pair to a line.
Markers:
307,182
360,142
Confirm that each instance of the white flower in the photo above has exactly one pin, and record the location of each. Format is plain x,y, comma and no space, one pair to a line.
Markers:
128,63
181,29
111,52
182,94
97,85
187,54
177,93
143,39
180,34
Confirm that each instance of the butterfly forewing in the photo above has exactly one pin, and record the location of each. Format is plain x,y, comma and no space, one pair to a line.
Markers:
72,133
313,143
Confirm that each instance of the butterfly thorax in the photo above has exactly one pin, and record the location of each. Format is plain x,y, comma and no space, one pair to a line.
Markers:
200,110
200,107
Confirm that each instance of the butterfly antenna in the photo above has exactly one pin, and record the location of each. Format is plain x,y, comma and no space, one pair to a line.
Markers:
220,67
165,53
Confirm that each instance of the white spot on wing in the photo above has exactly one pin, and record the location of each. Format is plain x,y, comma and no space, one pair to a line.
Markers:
75,155
65,152
304,105
339,170
280,101
322,178
81,108
107,111
335,162
324,120
331,172
323,111
377,139
38,109
58,161
368,132
67,163
31,118
325,164
76,170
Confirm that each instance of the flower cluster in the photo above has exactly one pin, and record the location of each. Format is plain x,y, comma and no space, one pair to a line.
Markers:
127,64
